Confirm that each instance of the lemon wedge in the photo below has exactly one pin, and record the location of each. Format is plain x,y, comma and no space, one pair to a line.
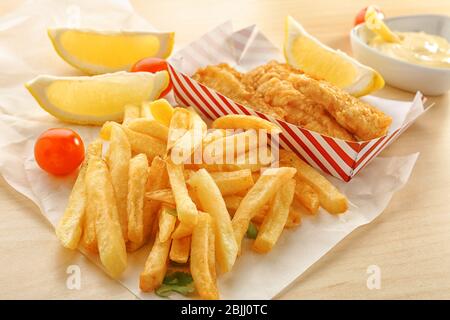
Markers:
96,52
305,52
96,99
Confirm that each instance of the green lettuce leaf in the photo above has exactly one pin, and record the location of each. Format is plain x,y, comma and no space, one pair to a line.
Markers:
180,282
252,231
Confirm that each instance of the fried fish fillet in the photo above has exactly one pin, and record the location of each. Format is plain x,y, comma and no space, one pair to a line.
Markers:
356,116
227,81
277,91
286,93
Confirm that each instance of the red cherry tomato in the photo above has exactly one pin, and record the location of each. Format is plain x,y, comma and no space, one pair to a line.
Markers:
59,151
153,65
361,14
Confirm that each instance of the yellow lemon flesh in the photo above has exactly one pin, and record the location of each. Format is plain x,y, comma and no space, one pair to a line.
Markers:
96,52
94,100
306,53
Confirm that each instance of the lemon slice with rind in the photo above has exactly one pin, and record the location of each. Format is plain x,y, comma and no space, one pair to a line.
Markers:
305,52
97,52
96,99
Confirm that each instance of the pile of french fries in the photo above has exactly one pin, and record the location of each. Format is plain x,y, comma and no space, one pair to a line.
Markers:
195,214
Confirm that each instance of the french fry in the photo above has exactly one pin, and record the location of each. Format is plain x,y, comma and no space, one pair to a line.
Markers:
200,259
149,127
306,195
157,175
138,174
69,229
105,131
179,125
212,202
167,220
212,251
217,167
256,175
118,160
194,197
157,179
251,160
130,112
139,142
187,144
295,217
236,121
147,113
329,196
232,202
186,209
94,149
213,135
188,173
89,236
275,220
260,155
155,266
261,193
179,252
260,215
226,149
182,230
100,195
162,195
233,182
161,110
142,143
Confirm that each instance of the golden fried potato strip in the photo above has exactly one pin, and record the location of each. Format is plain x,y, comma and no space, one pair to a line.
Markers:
201,263
275,220
118,160
69,229
155,266
100,195
329,196
211,201
138,175
261,193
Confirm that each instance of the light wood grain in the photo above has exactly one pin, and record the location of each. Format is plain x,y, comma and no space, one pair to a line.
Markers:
409,241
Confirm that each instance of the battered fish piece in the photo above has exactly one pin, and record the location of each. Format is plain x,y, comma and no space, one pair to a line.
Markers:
286,93
279,100
300,111
358,117
227,81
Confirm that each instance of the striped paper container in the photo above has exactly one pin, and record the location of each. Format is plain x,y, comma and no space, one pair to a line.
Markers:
249,48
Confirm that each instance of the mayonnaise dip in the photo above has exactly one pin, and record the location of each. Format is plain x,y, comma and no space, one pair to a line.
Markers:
416,47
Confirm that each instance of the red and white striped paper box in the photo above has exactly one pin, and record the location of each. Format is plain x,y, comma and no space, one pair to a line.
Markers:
248,48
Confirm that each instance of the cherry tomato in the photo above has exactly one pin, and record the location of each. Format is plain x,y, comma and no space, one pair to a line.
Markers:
59,151
361,14
152,65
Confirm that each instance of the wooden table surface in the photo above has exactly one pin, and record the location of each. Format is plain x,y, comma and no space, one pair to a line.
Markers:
410,241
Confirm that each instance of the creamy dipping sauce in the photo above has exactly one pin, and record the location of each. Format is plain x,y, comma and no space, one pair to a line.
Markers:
416,47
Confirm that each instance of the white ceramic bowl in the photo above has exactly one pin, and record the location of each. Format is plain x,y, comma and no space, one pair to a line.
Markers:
400,74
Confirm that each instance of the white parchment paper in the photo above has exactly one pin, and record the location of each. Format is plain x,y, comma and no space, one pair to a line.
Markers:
26,51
